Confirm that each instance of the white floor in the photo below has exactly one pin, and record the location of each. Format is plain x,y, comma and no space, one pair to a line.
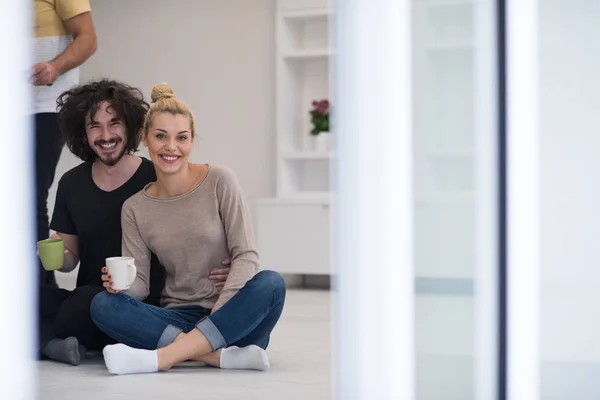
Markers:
299,352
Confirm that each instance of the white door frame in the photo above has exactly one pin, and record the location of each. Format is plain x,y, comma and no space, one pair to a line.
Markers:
373,194
523,187
18,297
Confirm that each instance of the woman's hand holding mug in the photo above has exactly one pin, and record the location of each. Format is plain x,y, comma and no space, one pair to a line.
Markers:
118,274
107,282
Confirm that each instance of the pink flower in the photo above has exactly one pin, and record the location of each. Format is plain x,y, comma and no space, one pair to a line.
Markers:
320,107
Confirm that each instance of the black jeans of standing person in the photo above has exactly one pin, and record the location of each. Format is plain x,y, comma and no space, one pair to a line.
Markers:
48,146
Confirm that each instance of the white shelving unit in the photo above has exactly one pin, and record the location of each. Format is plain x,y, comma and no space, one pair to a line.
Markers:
294,230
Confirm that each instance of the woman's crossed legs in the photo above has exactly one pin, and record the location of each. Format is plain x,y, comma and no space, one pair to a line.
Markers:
245,323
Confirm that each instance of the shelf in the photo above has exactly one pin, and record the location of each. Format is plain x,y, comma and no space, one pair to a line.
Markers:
307,155
307,54
318,13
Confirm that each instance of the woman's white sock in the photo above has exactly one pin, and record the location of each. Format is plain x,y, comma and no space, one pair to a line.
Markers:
121,359
249,357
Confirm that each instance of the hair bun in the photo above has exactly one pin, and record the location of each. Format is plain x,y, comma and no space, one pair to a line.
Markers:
161,91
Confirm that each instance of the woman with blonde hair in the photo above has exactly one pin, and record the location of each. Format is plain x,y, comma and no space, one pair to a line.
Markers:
192,217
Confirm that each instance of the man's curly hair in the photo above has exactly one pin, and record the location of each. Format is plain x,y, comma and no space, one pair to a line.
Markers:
74,104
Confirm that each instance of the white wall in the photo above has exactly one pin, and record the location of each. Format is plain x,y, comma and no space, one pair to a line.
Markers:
218,56
570,194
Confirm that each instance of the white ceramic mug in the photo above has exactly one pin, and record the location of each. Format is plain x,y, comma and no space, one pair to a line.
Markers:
122,271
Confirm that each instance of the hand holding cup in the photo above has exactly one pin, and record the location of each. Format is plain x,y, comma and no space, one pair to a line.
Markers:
118,274
52,252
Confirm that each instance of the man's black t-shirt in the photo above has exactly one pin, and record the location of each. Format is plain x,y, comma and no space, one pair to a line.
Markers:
94,215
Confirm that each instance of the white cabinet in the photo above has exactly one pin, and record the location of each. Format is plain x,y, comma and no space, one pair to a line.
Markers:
294,237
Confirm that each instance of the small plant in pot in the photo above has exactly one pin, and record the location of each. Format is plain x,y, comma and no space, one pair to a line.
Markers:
319,117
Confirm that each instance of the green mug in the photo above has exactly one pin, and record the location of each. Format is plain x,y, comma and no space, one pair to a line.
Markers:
52,253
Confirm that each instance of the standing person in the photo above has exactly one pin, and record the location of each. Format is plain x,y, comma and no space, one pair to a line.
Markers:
64,39
101,122
191,217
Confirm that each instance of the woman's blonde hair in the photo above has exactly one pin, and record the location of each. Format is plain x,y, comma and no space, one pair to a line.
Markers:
164,101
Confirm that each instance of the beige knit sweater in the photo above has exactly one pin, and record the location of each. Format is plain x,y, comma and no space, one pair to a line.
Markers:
191,234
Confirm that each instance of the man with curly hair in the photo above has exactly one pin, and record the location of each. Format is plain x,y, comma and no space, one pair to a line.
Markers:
101,123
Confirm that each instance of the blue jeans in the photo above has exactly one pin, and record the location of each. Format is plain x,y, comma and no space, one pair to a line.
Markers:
247,318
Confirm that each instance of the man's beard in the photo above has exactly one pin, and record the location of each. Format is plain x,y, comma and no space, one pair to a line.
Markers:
111,159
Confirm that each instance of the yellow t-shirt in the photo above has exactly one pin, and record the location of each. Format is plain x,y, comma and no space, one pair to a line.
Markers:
51,39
